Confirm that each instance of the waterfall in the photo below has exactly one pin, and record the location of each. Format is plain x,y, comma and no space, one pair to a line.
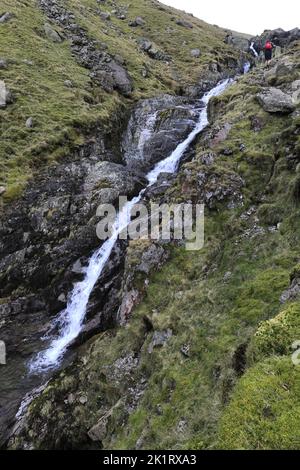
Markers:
71,319
253,50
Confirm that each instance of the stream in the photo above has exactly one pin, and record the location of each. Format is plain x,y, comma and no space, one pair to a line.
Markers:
70,320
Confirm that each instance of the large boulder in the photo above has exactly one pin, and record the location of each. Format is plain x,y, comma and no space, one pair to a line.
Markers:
274,100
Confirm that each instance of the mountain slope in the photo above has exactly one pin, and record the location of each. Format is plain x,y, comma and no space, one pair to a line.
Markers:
53,80
194,367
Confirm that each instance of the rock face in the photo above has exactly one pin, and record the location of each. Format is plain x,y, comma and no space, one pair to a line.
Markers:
279,37
43,236
48,236
155,129
273,100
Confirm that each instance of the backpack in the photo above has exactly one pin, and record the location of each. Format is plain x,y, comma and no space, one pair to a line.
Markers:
268,45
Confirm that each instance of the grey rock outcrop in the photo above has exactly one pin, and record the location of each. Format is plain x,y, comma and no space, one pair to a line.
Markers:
273,100
51,33
156,127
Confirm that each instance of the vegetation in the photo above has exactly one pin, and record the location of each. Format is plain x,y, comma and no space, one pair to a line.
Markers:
38,68
222,375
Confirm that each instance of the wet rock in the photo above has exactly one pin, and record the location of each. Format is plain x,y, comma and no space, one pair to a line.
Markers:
51,33
113,175
195,53
274,100
62,298
2,353
156,127
77,267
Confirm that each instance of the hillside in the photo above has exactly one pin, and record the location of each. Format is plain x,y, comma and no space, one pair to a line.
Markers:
178,349
48,55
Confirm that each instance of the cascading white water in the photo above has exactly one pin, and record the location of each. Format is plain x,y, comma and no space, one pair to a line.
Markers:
71,319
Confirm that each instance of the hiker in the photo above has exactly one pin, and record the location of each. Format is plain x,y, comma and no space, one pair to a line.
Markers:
268,52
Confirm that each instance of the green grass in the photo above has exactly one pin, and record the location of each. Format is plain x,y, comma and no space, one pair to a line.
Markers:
265,410
63,117
237,388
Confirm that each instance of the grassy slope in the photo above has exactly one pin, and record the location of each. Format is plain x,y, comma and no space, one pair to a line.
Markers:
62,115
216,316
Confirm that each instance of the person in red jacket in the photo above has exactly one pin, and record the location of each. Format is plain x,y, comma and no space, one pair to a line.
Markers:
268,52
